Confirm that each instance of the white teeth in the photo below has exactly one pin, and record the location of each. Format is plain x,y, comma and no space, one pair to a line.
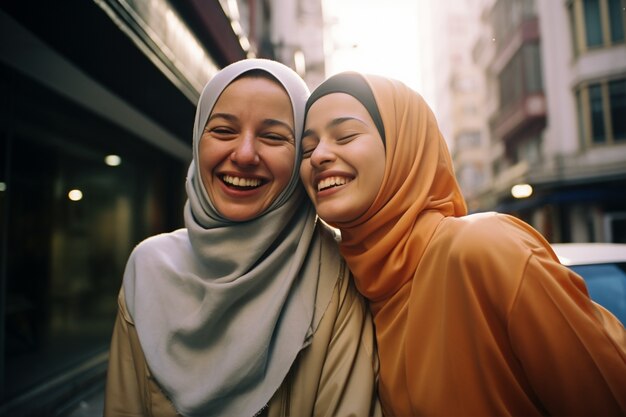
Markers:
331,182
241,182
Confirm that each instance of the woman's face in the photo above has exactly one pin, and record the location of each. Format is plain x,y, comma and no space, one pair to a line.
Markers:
247,150
343,158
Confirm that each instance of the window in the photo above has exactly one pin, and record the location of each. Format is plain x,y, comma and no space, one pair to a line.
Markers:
70,216
464,83
597,114
617,98
521,76
471,178
507,15
615,226
602,106
529,150
616,15
593,26
468,140
597,23
581,122
532,68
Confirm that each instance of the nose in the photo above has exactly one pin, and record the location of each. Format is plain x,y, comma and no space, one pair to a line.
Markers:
245,152
322,154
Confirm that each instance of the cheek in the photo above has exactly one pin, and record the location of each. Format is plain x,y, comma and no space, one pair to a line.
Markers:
305,177
378,171
282,165
204,151
305,171
375,171
212,152
208,158
205,159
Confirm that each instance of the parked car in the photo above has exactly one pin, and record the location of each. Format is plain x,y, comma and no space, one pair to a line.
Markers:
603,266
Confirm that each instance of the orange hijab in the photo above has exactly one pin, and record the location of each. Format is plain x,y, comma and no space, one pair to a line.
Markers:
385,244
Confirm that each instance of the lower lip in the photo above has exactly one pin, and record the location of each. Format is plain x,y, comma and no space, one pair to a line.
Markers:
330,191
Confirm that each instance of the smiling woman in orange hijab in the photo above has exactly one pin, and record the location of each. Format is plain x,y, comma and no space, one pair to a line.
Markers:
474,314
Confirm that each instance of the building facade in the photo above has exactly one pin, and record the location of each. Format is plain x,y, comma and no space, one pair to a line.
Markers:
555,73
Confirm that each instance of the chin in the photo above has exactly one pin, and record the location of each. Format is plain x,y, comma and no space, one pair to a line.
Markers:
238,218
332,217
240,215
339,211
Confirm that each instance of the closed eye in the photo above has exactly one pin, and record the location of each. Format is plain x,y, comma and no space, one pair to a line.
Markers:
309,143
221,132
277,137
347,138
307,152
278,130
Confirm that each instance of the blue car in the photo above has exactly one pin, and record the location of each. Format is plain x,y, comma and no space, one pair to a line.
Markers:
603,266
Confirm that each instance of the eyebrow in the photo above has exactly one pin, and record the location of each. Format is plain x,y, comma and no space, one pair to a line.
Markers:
266,122
226,116
334,123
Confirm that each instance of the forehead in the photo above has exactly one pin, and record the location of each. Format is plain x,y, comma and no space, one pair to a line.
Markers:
254,87
255,98
336,105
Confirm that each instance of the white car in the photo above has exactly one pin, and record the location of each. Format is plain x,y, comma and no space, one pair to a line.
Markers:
603,266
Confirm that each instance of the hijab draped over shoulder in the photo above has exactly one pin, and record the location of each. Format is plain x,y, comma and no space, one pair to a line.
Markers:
222,308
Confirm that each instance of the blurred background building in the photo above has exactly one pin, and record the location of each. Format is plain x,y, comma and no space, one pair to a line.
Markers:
97,100
551,106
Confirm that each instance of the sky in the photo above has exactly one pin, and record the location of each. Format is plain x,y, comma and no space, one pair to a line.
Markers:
374,36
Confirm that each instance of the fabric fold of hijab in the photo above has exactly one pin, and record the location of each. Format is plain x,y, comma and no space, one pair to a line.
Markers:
383,246
223,308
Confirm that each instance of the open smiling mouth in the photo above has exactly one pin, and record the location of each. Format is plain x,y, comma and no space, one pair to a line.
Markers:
241,183
331,182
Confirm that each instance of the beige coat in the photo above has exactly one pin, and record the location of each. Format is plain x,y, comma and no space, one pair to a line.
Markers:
334,376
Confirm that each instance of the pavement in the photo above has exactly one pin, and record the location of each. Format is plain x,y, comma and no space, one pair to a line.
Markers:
90,406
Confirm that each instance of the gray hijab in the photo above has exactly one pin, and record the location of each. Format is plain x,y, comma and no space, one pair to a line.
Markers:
222,308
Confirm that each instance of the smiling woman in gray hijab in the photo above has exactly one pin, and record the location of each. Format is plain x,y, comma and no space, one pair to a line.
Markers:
249,309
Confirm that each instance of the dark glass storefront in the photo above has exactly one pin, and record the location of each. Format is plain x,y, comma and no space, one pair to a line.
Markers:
69,218
97,104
